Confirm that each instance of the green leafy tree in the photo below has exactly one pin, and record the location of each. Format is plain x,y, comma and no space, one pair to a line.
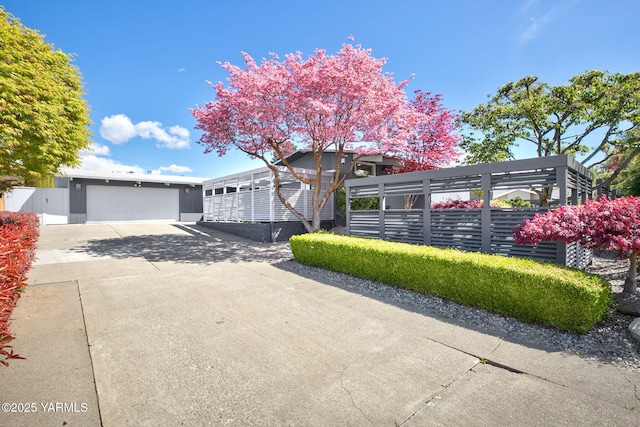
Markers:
43,116
519,202
628,182
594,117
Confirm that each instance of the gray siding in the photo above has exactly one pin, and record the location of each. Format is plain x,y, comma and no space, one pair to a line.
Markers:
191,199
328,162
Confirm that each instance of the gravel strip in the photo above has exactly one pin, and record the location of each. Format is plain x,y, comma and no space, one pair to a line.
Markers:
609,341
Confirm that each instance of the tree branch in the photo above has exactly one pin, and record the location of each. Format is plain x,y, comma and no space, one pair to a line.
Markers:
615,174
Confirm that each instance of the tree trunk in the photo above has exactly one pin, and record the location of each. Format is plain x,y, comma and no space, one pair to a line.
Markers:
316,219
630,282
544,196
284,200
410,200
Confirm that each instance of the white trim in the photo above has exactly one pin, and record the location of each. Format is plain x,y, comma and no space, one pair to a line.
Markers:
136,177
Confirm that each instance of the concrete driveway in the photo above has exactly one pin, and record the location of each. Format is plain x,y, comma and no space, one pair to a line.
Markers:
171,324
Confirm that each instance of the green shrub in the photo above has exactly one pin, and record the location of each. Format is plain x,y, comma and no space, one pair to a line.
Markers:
357,203
532,291
504,204
519,202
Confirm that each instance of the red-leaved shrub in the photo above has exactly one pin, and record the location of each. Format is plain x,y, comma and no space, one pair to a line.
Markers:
457,204
597,224
18,238
464,204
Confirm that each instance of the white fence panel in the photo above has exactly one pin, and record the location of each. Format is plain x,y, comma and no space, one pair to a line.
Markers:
51,204
261,203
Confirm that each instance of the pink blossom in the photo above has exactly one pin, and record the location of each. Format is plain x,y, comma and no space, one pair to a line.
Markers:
342,102
436,140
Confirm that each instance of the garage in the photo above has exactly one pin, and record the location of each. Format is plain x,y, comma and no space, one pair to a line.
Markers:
118,203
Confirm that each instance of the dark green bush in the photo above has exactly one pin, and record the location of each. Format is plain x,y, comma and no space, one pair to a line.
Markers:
519,202
532,291
357,204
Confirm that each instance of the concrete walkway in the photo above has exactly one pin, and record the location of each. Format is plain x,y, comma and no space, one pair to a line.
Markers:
174,325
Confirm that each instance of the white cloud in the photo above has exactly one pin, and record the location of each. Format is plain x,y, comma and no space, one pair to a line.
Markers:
95,163
180,137
538,19
173,169
179,131
97,149
176,138
531,32
92,162
528,5
119,129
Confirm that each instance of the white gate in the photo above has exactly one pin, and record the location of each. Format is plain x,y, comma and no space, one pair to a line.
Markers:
51,204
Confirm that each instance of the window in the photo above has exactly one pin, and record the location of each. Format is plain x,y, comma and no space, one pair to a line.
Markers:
365,169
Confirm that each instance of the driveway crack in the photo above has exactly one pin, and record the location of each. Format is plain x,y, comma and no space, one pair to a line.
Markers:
353,402
636,392
346,390
435,398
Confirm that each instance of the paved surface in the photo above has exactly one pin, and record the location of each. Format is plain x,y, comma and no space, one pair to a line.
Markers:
171,325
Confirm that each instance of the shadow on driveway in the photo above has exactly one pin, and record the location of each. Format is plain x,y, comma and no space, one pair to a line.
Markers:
200,246
507,328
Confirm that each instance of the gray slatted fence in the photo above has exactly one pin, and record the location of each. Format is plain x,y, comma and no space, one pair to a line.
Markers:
561,179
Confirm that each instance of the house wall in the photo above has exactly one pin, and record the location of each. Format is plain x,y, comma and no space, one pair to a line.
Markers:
191,200
77,197
305,161
263,232
67,203
328,163
524,195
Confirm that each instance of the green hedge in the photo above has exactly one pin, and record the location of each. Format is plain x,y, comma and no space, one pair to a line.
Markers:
532,291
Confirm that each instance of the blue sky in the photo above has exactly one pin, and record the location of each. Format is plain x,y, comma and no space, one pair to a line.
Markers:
146,63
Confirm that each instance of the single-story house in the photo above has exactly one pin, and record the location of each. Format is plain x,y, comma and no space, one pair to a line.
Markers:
526,195
365,165
91,196
246,203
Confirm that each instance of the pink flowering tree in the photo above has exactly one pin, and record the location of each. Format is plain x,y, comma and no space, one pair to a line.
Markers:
437,138
435,144
342,102
601,225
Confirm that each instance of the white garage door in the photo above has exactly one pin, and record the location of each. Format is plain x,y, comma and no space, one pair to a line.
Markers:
107,203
